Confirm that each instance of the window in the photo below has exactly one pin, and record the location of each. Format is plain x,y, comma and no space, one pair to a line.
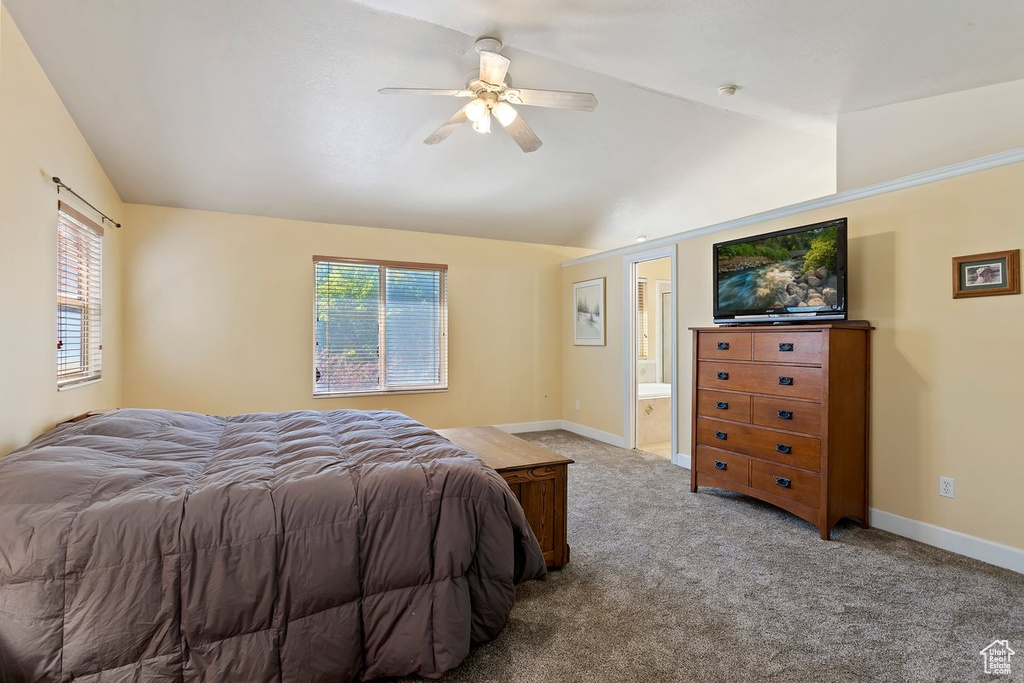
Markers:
79,298
381,327
642,349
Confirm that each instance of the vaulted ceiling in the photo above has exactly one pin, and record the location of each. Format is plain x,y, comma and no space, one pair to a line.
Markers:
271,108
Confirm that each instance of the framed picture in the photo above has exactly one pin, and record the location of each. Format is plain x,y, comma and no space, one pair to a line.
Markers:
588,307
989,274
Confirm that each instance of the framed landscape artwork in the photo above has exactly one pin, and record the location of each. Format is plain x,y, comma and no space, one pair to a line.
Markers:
588,307
991,274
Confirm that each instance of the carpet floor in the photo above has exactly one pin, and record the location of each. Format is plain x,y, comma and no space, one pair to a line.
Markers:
667,585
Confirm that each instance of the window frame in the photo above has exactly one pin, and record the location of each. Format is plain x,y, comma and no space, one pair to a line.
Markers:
442,338
74,228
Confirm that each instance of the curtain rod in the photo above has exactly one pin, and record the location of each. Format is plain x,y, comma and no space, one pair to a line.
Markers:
57,181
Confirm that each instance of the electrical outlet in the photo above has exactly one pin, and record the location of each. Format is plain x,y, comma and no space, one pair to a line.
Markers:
946,487
577,405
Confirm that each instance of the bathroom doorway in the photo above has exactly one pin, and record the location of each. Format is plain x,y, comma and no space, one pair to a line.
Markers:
651,403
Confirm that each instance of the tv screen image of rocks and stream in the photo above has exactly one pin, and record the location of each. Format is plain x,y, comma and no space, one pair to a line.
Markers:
797,271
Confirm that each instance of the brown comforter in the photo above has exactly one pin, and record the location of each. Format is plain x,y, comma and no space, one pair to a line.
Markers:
148,545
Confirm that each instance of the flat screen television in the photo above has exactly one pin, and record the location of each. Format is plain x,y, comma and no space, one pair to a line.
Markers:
794,275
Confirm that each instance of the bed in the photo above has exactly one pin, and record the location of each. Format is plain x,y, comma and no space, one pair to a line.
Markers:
147,545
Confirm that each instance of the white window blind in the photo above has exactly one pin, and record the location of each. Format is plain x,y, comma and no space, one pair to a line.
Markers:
79,298
380,327
642,349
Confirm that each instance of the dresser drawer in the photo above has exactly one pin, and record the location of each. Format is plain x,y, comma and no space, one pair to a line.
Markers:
788,449
722,465
779,380
724,345
788,347
800,487
784,413
724,406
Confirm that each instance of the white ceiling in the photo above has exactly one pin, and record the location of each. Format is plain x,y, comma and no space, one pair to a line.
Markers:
800,62
271,108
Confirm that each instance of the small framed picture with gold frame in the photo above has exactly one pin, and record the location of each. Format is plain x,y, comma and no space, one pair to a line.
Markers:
991,274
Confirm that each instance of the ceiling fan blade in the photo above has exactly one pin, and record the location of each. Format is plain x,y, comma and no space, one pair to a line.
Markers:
557,99
493,67
425,91
448,127
523,135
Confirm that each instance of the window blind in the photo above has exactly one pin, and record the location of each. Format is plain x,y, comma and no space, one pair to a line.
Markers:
642,349
79,298
380,327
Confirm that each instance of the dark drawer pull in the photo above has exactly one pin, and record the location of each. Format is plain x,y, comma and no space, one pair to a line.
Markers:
723,375
783,482
723,346
786,381
719,465
721,435
787,346
722,405
785,414
783,448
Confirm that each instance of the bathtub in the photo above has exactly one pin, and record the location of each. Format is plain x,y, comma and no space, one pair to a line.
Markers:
653,390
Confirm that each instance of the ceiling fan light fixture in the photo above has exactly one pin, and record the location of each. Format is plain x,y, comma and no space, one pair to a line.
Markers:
489,91
505,113
476,109
483,124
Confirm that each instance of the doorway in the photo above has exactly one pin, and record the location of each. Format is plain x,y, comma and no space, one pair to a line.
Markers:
651,403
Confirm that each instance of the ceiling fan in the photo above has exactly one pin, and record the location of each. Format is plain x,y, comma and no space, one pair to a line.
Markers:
492,96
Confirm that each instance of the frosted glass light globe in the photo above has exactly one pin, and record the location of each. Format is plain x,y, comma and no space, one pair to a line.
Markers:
476,109
505,113
483,124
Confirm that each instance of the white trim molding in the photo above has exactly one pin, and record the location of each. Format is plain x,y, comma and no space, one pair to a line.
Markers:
1000,555
629,304
1006,158
596,434
541,426
990,552
548,425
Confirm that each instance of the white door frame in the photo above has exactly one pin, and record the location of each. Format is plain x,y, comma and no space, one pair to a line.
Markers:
629,343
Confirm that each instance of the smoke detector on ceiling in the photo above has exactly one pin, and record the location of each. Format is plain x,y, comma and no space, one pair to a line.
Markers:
727,90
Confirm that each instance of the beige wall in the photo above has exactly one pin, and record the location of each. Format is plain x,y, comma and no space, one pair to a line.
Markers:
219,317
897,140
593,375
946,380
658,269
38,139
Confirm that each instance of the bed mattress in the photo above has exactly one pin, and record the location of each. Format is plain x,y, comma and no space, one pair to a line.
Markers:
301,546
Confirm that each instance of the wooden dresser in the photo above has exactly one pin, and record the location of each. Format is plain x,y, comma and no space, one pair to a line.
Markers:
538,478
781,413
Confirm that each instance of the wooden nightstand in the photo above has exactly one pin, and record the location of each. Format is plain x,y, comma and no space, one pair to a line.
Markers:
538,478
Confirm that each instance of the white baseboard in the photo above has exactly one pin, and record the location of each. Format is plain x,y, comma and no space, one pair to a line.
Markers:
991,552
582,430
541,426
1000,555
597,434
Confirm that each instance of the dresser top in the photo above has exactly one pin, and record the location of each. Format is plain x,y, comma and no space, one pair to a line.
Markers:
791,326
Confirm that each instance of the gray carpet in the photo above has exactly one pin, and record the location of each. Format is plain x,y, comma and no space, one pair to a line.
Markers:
666,585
